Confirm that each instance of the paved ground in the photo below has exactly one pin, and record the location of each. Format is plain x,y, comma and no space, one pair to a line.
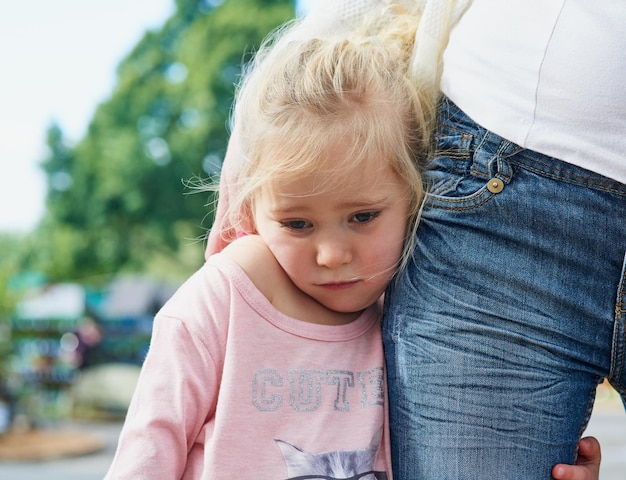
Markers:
87,467
608,424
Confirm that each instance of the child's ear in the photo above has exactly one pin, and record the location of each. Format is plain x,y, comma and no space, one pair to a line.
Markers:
247,224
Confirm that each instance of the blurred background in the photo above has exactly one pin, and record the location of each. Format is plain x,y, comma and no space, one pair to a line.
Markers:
110,114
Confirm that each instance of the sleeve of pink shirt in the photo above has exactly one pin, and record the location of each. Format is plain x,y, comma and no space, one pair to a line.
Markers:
170,405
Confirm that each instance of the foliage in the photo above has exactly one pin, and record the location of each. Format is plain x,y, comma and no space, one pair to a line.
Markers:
117,199
9,268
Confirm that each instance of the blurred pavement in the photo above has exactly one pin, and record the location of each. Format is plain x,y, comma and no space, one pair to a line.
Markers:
86,467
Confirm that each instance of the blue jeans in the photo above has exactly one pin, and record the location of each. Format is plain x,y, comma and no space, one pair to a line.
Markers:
511,312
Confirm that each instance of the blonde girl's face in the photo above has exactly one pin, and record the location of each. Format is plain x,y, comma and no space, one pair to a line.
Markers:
337,236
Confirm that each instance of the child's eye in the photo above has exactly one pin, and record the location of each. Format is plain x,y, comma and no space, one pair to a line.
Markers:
364,217
295,224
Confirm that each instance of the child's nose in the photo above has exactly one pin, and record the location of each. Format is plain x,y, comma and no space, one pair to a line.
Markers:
333,253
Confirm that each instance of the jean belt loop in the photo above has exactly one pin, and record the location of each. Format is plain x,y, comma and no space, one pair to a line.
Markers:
500,166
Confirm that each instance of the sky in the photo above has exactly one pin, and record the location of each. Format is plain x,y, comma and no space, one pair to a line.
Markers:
57,63
58,60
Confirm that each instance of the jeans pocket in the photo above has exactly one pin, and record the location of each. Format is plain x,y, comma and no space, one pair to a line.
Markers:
467,170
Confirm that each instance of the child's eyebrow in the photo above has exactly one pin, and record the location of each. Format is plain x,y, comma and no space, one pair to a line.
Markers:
368,203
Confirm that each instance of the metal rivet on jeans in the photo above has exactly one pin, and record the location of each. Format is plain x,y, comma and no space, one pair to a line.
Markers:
495,185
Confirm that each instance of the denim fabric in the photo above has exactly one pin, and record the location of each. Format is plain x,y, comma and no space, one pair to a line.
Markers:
511,312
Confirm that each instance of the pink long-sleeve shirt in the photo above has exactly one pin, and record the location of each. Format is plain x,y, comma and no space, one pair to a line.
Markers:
233,389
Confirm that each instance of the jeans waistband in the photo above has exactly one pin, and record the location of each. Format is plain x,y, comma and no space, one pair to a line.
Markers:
453,119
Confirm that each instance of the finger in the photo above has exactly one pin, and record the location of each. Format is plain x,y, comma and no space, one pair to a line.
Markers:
589,450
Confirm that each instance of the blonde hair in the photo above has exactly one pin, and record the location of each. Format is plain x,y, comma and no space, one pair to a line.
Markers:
302,95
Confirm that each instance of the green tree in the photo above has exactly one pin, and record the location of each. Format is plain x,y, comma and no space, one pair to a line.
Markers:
117,200
10,245
9,268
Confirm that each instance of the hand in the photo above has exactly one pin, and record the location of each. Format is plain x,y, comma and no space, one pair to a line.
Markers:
587,465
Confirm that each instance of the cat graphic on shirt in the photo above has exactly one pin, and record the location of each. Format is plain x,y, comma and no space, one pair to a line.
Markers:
339,465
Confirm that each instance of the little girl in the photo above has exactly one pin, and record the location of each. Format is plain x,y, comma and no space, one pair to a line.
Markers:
268,362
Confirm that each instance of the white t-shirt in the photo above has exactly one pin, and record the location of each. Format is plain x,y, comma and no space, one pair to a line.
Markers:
548,75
